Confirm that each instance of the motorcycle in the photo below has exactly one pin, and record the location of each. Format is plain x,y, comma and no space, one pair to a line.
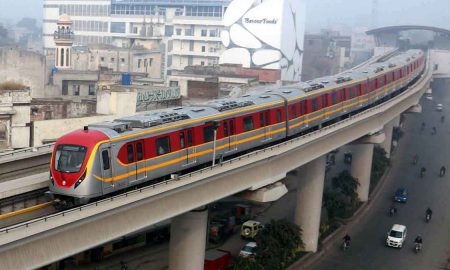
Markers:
417,247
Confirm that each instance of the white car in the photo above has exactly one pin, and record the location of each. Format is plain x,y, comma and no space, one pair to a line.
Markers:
439,107
249,250
396,236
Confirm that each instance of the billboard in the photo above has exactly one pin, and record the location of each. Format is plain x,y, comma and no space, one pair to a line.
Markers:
265,34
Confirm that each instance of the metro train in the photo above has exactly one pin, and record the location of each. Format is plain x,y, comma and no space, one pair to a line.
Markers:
110,156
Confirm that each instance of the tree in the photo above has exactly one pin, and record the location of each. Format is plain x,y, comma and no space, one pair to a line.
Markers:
246,264
346,183
278,244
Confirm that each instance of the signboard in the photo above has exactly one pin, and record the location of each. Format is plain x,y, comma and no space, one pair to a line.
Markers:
146,97
267,34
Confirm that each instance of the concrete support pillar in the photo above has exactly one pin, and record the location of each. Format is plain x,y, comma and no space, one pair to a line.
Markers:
188,240
388,141
396,121
309,201
362,155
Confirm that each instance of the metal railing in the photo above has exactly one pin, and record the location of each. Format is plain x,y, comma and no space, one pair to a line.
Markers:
210,168
36,149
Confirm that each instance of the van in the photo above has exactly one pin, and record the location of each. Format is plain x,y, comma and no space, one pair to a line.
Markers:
250,229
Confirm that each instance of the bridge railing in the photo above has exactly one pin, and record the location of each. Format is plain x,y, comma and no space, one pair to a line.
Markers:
45,147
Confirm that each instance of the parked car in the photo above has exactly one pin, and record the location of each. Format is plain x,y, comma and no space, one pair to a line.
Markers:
401,195
250,229
249,250
396,236
439,107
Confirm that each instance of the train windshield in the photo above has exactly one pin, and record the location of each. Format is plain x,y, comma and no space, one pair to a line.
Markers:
69,158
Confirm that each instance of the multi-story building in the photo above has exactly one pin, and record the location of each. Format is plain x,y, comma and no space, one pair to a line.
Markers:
190,29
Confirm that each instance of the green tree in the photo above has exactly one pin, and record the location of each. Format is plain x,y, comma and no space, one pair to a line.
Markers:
379,164
346,183
278,244
246,264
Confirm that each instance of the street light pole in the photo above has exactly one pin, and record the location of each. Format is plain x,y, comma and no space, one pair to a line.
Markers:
215,125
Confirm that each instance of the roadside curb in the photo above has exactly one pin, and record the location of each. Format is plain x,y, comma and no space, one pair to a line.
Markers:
346,224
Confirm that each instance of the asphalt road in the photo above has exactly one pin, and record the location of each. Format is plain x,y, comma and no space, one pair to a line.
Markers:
368,250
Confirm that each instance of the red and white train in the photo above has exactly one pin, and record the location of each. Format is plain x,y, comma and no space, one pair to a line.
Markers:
111,156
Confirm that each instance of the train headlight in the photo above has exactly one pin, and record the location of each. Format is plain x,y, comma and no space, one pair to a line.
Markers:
80,179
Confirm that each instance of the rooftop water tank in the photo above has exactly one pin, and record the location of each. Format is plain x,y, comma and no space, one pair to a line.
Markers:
126,79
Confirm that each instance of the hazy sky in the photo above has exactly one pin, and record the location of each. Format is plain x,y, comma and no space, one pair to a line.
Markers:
320,14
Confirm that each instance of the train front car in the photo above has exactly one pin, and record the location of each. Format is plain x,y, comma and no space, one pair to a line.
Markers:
73,161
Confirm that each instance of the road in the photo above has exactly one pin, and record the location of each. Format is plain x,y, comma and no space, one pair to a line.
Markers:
368,250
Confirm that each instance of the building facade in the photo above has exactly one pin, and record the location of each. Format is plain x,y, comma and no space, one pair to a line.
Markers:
189,28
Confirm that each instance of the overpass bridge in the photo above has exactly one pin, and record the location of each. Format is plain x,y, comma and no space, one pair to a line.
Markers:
41,241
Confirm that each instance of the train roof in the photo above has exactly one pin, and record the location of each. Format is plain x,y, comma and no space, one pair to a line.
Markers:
148,120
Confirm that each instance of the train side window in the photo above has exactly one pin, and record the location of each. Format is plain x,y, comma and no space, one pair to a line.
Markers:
293,112
105,159
248,123
208,134
314,105
279,116
267,118
324,101
231,127
190,139
333,98
342,94
303,107
350,93
261,119
225,129
162,145
130,153
182,144
139,150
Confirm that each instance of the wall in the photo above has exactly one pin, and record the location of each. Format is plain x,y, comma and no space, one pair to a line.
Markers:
440,58
26,67
204,90
47,109
15,118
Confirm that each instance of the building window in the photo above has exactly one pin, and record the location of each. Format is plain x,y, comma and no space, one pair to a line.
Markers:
150,61
173,83
163,145
117,27
113,59
139,63
91,89
189,32
248,123
202,63
76,89
203,48
102,59
213,33
122,60
178,31
204,32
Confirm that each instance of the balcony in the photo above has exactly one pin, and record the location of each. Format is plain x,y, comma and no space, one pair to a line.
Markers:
63,37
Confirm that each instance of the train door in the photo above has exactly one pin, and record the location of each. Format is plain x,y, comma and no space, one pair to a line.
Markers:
106,168
264,119
187,143
141,173
231,134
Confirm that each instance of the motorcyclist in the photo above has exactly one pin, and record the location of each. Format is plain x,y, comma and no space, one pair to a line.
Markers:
423,126
392,210
422,171
433,130
442,118
123,265
442,171
418,240
347,239
428,212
